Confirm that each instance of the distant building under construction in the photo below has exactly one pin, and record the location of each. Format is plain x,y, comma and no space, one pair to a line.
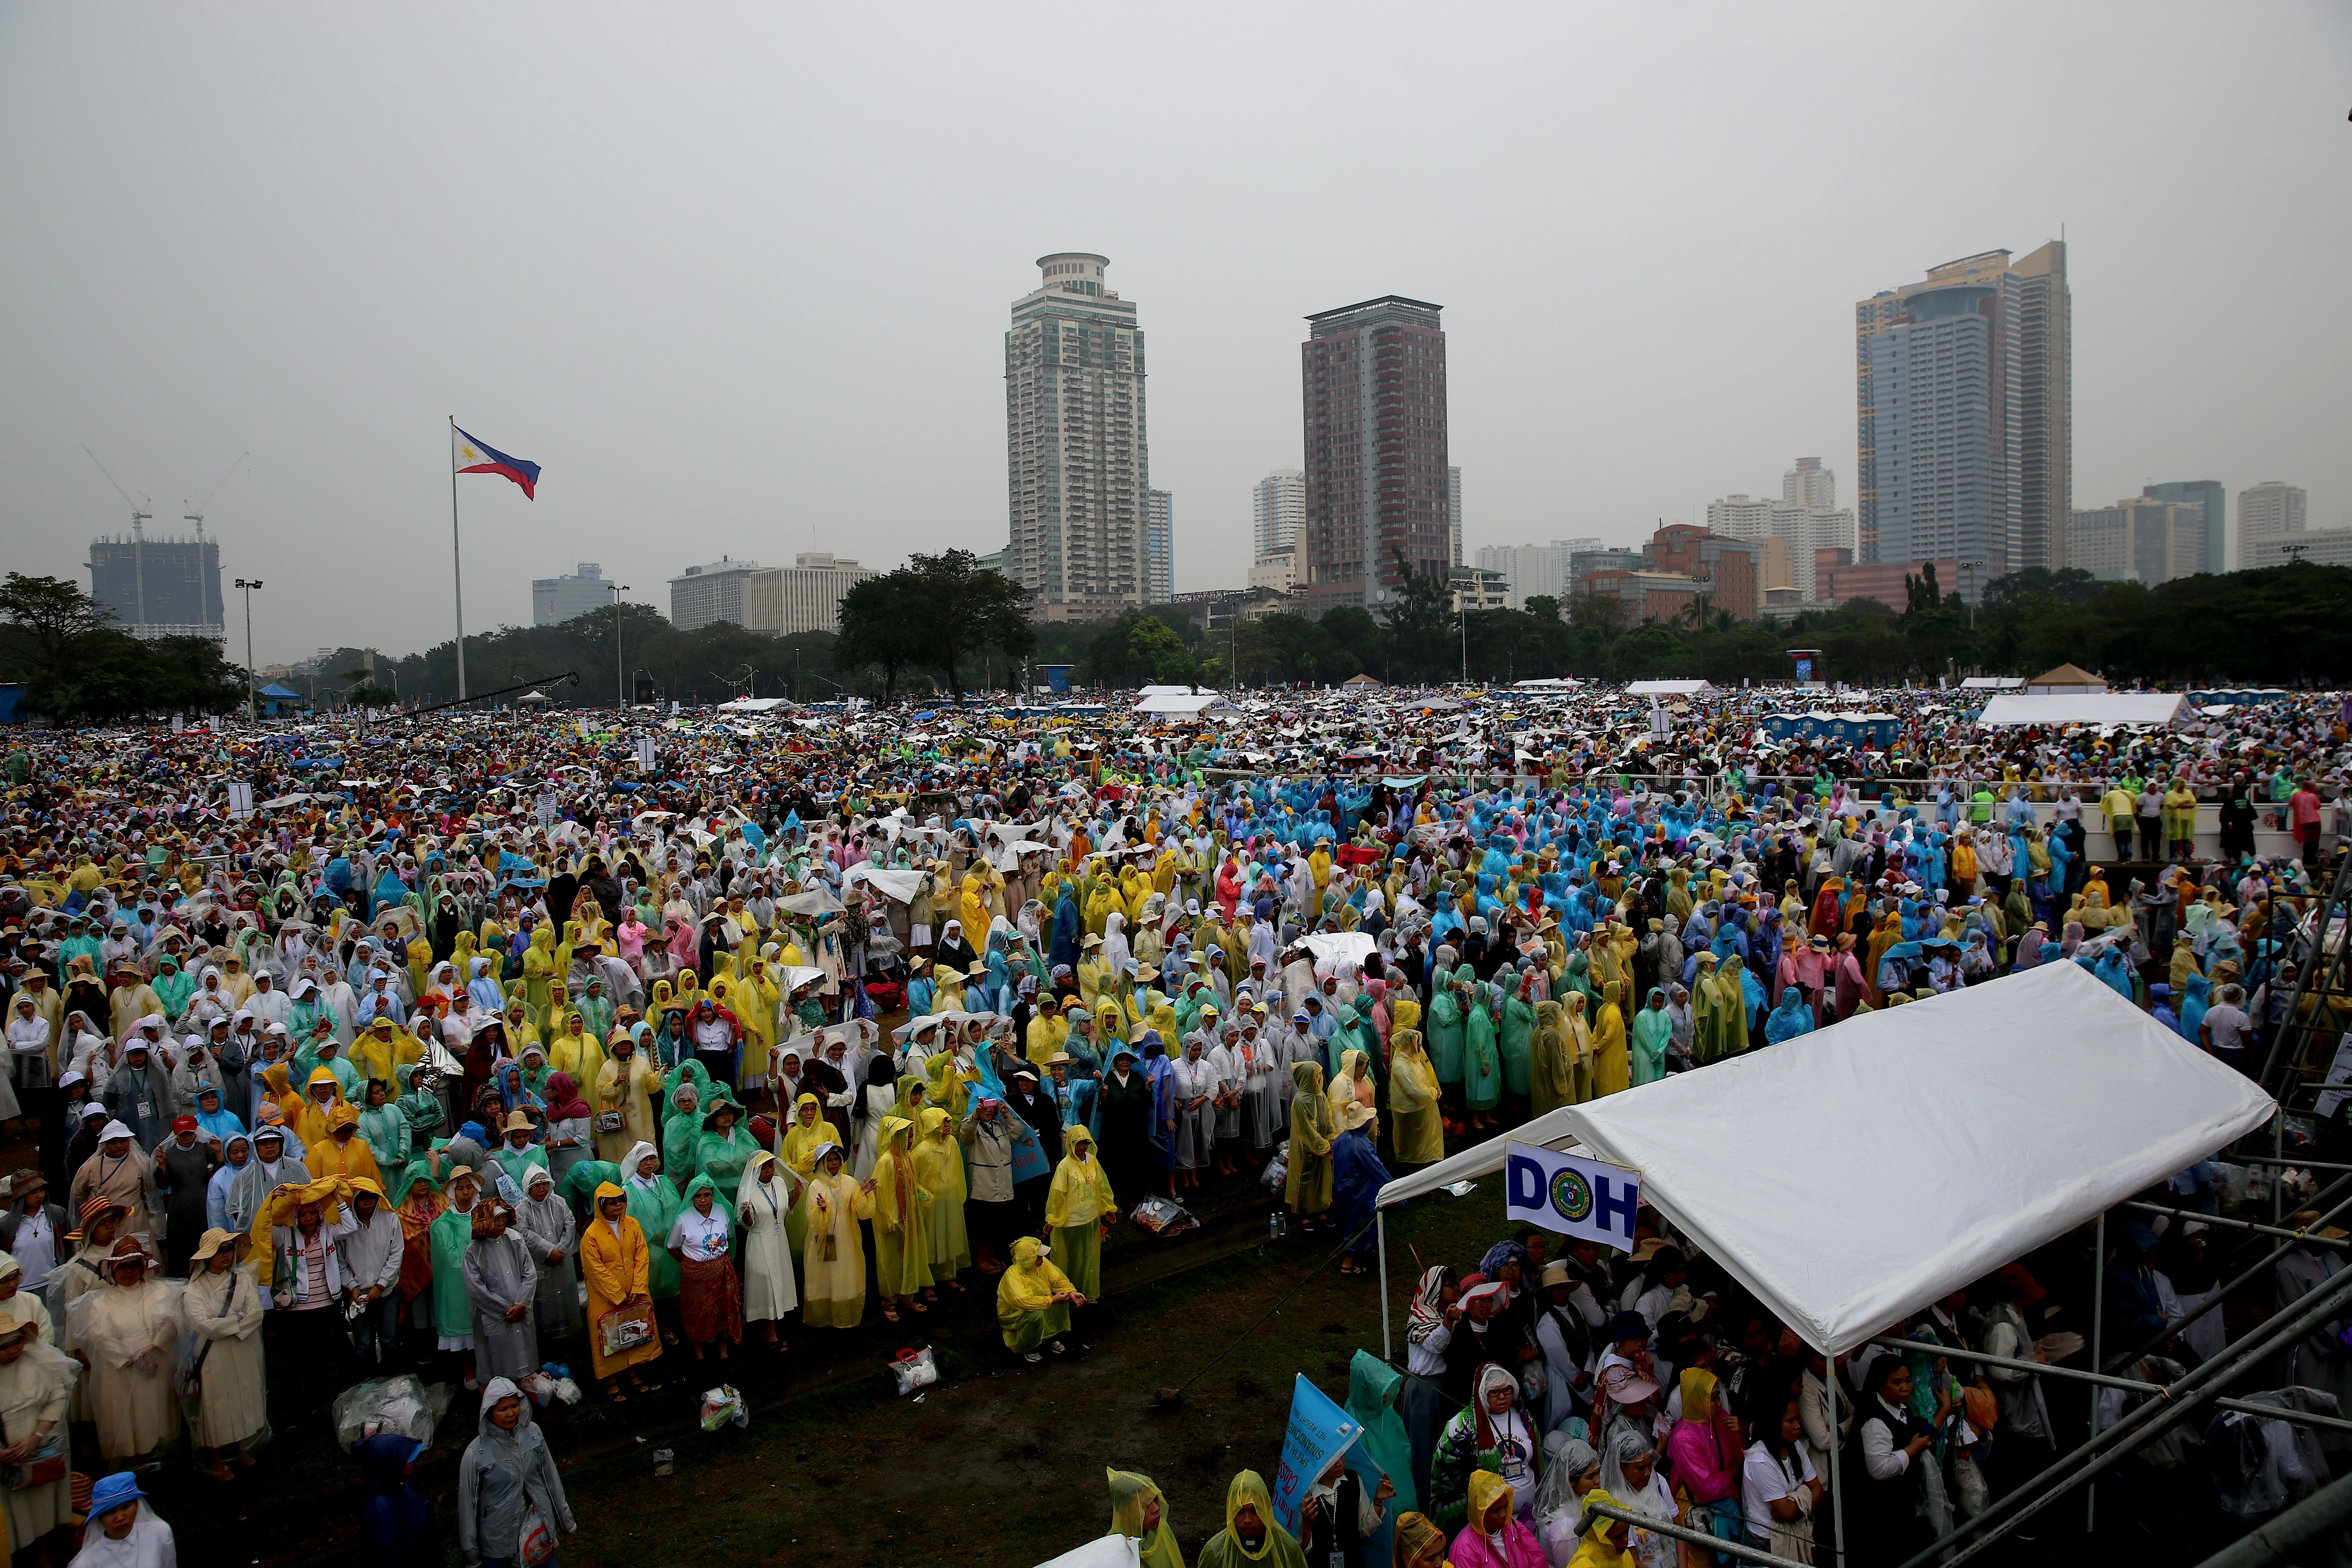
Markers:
159,587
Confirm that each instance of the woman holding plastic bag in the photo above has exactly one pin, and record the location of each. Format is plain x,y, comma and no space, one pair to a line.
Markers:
614,1257
36,1380
511,1501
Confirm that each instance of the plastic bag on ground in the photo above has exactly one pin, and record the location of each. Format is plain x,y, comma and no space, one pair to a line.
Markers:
1162,1216
915,1369
724,1405
1277,1170
403,1406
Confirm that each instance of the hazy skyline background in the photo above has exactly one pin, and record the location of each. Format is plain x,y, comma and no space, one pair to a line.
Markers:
738,278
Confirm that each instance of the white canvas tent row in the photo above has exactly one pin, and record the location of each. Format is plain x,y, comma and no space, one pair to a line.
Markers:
753,705
1994,683
2150,708
1852,1176
1667,688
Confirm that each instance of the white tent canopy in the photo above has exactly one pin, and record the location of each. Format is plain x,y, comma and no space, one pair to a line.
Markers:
1852,1176
2083,708
1667,688
1994,683
753,705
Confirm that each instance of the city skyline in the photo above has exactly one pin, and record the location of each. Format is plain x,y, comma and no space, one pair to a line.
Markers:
655,341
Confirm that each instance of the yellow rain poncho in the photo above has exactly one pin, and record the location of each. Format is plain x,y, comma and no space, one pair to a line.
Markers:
833,1259
901,1216
1307,1186
615,1259
1074,1204
1276,1547
1025,1307
1612,1067
1416,1124
538,971
938,1166
1551,1075
1139,1511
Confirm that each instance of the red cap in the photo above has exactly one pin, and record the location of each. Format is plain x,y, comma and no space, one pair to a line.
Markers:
184,1124
2019,1278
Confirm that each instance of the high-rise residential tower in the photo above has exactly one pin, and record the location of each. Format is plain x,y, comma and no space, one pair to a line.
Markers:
1964,415
2269,511
2213,505
1807,525
1078,466
554,600
1810,484
1454,508
1277,507
1158,547
1372,384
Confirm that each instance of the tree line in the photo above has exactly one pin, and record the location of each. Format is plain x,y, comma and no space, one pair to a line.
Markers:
945,624
2283,626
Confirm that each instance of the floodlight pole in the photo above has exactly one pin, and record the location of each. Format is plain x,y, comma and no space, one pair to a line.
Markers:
2098,1323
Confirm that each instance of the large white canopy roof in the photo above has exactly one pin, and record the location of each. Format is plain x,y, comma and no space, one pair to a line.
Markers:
1853,1175
2082,708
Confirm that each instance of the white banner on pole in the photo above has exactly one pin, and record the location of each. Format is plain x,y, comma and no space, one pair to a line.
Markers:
645,753
240,798
1586,1199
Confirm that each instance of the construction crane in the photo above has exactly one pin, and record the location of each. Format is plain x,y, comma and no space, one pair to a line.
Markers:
196,513
138,535
209,582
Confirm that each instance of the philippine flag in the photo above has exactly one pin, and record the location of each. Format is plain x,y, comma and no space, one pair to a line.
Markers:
474,456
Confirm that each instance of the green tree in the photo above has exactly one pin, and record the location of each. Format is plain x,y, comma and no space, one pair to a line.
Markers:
1420,620
881,623
78,666
966,609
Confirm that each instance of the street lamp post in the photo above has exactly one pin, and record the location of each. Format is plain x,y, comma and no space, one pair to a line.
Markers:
251,706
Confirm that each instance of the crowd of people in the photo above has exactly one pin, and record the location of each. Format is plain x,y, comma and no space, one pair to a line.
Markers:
482,1043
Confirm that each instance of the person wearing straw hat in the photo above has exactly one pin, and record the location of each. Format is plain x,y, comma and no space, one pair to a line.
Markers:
37,1382
223,1307
134,1333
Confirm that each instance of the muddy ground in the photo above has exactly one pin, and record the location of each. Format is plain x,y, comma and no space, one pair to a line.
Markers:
1000,1463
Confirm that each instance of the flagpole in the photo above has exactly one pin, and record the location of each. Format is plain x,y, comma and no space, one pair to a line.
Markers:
457,563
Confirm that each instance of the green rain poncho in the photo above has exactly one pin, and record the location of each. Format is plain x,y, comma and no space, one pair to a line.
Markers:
1277,1548
681,1139
1482,1064
1375,1390
1132,1499
423,1112
1651,1033
453,1310
653,1203
386,1128
1517,1042
1446,1035
721,1156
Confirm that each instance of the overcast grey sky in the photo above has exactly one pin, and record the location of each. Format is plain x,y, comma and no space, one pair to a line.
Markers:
737,276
